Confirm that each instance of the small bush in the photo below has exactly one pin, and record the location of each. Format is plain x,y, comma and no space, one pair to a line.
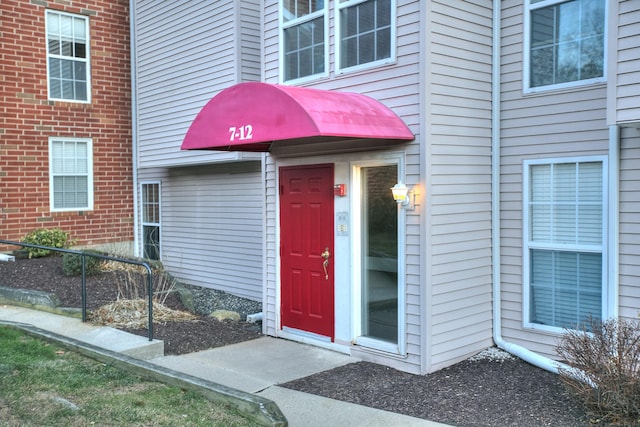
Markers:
607,356
72,264
51,237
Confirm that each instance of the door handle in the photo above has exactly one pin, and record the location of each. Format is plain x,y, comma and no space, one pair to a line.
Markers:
325,255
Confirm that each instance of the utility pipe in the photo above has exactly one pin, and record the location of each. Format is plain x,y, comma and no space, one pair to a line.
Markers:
134,122
516,350
7,258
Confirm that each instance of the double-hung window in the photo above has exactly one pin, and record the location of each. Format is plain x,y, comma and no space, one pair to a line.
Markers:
564,43
564,241
304,46
366,32
151,220
68,56
70,174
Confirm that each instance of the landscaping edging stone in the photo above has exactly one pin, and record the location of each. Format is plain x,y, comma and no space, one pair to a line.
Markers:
38,300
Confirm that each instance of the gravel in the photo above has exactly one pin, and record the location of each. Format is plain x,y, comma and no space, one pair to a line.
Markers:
204,301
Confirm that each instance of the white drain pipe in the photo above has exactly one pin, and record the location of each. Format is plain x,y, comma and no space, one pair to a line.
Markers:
517,350
7,258
134,124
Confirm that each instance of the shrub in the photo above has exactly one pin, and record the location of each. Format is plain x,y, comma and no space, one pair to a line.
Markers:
72,264
607,356
51,237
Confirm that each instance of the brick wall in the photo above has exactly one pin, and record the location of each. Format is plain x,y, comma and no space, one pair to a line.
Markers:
28,119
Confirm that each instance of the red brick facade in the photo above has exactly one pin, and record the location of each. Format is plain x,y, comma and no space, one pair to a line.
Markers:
28,119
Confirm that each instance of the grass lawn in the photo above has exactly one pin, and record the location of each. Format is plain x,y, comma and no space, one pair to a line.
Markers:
42,384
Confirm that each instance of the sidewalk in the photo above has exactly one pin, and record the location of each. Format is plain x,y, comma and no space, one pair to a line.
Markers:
252,368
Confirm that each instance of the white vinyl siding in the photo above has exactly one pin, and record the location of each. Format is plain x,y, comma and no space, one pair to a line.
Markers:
564,235
458,184
624,61
212,222
629,224
185,55
564,43
70,174
68,60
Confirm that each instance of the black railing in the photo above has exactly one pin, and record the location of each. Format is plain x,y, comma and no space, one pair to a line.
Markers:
83,256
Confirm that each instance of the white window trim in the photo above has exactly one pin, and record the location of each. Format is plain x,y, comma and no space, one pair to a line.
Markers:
90,189
356,256
526,61
286,24
606,308
338,39
144,223
87,60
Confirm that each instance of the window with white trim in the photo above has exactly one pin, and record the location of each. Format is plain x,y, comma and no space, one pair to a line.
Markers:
151,220
564,42
564,236
365,32
68,56
70,174
303,26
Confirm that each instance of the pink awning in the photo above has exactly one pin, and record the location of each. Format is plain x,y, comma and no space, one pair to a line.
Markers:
252,116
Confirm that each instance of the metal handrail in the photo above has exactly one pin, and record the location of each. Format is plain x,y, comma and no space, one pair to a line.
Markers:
84,254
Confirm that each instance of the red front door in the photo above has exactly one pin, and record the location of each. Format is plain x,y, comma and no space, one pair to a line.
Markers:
306,248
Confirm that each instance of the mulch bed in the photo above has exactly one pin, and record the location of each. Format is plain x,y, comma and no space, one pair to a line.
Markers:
46,274
471,393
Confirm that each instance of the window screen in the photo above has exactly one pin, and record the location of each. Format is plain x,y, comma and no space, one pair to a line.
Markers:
71,172
565,242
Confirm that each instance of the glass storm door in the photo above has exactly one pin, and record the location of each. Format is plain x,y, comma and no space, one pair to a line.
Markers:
379,253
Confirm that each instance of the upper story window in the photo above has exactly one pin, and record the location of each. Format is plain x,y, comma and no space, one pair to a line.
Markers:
70,174
68,56
366,32
564,43
364,36
304,27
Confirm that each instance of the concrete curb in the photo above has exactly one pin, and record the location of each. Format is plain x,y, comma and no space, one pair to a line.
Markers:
261,410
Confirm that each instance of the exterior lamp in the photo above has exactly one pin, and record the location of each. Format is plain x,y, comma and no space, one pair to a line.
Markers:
400,194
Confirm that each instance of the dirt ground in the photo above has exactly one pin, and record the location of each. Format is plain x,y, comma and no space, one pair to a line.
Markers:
486,392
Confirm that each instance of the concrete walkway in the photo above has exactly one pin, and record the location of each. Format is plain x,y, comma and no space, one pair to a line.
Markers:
248,372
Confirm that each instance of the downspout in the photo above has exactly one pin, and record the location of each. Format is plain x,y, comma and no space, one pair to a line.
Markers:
516,350
134,122
613,228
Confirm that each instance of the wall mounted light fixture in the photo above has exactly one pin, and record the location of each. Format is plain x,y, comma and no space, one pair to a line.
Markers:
402,195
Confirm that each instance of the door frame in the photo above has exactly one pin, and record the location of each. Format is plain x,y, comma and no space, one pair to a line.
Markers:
346,292
356,254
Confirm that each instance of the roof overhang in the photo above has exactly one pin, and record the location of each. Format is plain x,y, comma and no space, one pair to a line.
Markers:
253,116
